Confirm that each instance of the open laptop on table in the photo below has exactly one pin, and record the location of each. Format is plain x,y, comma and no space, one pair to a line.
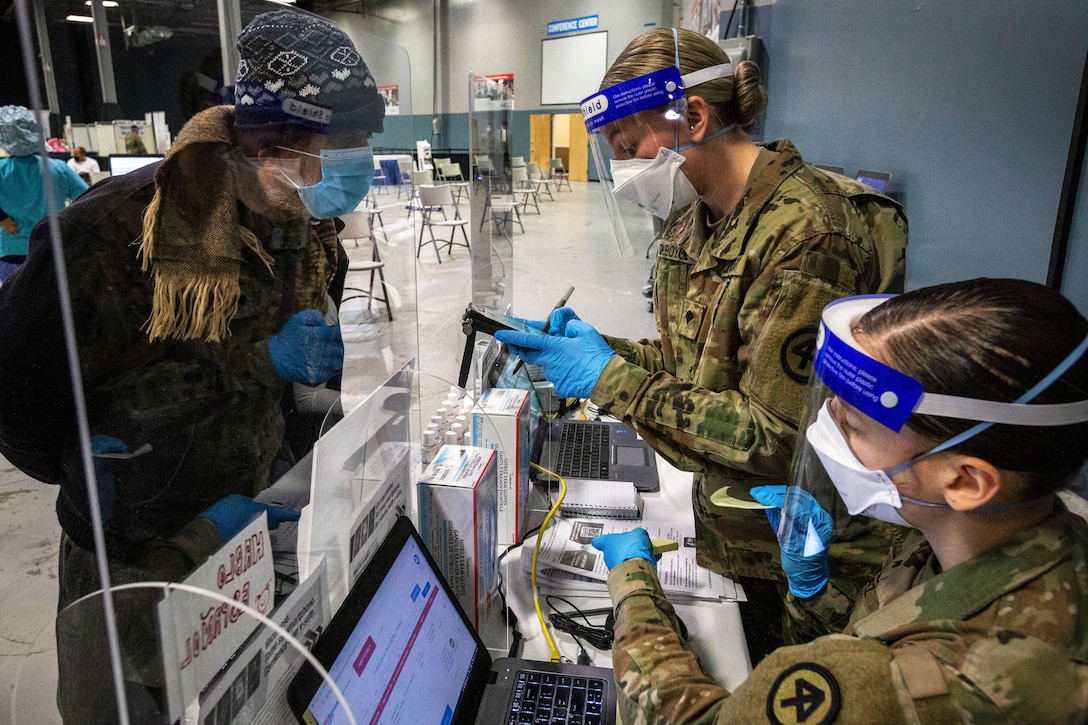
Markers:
599,449
607,450
402,650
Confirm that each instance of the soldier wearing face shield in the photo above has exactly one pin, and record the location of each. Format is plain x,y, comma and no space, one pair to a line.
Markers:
960,410
198,288
755,243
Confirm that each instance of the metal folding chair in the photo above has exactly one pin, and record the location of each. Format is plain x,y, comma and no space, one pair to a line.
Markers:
434,201
356,227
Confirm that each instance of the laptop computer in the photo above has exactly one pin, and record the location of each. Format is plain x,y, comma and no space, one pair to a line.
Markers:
573,449
599,449
402,650
876,179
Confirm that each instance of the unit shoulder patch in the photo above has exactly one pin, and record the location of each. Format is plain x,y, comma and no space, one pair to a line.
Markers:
805,693
797,354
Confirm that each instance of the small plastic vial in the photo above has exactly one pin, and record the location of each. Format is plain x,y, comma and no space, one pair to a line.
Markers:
430,445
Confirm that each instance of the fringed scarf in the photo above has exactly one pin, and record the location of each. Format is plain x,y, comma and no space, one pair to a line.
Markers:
192,241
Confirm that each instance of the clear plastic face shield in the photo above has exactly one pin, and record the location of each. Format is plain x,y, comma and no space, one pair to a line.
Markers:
635,135
856,408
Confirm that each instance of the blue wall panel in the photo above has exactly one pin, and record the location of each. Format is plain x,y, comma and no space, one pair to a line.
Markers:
968,104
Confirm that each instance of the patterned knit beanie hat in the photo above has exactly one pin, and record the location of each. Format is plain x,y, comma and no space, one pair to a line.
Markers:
301,70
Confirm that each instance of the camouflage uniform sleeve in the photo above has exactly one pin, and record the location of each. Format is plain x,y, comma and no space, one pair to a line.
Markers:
646,354
660,681
657,675
705,420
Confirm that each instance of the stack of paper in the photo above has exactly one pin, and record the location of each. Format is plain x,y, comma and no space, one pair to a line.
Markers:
568,561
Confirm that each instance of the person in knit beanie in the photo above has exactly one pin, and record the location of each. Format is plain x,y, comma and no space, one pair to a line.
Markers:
198,286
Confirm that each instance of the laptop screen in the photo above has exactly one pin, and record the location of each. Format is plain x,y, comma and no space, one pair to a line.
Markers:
404,651
125,163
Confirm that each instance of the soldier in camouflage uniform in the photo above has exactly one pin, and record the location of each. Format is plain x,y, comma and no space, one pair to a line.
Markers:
742,275
978,617
197,289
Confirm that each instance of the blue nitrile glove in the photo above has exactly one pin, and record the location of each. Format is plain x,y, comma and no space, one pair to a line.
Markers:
103,471
306,350
231,514
572,363
618,548
806,575
558,319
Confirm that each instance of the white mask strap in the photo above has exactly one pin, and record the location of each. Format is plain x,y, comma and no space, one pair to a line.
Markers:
705,75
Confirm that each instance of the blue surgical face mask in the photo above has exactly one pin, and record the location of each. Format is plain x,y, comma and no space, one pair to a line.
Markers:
345,181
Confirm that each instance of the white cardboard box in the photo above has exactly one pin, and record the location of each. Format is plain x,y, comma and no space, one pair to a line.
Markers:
458,523
506,429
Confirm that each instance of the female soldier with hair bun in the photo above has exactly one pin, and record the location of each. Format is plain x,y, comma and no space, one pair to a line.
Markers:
978,616
755,243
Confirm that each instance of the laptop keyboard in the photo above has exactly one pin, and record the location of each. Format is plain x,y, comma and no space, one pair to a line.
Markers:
548,698
583,451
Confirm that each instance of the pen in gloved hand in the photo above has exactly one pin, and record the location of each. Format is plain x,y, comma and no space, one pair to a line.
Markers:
548,321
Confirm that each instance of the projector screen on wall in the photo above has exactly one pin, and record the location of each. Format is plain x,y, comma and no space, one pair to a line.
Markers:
571,67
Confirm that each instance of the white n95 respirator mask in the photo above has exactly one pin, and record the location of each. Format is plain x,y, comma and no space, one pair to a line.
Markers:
657,185
864,492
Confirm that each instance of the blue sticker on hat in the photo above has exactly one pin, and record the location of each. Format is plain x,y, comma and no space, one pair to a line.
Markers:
638,94
877,390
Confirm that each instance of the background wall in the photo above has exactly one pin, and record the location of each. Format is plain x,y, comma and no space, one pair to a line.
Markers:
969,104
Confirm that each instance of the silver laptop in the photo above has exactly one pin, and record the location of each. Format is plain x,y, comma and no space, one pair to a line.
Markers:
598,449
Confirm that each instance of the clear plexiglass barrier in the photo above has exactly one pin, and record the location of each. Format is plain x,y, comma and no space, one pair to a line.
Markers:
149,434
223,643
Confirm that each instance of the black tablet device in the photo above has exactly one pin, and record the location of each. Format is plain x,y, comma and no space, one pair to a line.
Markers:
490,321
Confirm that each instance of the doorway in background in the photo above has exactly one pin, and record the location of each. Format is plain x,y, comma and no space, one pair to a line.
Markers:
561,136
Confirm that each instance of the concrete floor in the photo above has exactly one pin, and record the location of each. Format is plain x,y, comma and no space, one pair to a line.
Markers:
568,243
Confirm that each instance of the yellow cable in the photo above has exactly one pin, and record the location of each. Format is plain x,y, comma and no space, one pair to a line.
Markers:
536,555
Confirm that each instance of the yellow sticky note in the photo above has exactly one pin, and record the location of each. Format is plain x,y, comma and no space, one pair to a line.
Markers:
660,546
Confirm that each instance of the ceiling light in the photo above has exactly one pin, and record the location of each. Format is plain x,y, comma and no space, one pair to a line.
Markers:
79,19
105,3
283,2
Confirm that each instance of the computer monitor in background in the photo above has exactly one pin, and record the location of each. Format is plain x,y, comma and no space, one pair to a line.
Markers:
124,163
876,179
833,169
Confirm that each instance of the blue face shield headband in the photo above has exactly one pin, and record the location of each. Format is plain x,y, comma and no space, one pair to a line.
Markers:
657,89
889,397
345,181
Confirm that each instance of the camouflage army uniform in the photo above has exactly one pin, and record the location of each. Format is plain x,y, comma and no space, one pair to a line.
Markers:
210,411
999,638
738,305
